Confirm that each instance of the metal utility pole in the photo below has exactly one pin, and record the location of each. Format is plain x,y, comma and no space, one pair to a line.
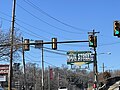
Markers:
95,64
24,71
103,66
34,72
49,78
11,50
95,69
58,79
42,68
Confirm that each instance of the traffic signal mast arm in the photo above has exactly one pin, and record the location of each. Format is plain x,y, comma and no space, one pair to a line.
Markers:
27,43
45,43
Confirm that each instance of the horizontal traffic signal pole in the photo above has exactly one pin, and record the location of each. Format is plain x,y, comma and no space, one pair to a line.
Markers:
58,42
8,44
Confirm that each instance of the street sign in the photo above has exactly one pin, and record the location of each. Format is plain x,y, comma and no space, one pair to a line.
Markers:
79,56
37,43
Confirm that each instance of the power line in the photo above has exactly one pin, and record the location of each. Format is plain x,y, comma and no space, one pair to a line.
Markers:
5,19
39,61
32,33
109,44
28,24
38,28
5,14
34,26
55,52
43,12
47,22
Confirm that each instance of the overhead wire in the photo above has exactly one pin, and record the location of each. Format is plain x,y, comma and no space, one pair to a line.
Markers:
5,19
31,26
43,12
38,36
58,52
5,14
32,33
26,24
47,22
38,61
35,28
39,29
109,44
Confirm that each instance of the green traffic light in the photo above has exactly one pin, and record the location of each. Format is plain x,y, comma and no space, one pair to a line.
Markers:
91,43
117,32
116,28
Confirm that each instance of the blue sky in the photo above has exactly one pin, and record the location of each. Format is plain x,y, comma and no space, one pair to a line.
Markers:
35,20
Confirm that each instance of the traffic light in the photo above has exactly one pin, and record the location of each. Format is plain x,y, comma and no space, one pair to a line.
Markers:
54,43
95,41
92,41
26,45
117,28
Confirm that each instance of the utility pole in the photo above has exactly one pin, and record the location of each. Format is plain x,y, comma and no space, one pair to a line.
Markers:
95,64
103,66
11,50
24,71
42,68
95,69
58,79
34,71
49,78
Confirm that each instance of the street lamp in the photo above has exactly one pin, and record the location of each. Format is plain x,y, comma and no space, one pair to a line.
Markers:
103,66
108,53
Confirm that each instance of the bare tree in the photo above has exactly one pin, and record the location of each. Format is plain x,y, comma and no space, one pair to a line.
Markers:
5,45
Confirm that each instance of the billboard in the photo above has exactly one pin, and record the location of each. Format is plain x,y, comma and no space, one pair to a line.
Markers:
4,69
79,56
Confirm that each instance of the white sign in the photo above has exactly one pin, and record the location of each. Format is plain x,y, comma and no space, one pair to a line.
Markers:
2,78
79,56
